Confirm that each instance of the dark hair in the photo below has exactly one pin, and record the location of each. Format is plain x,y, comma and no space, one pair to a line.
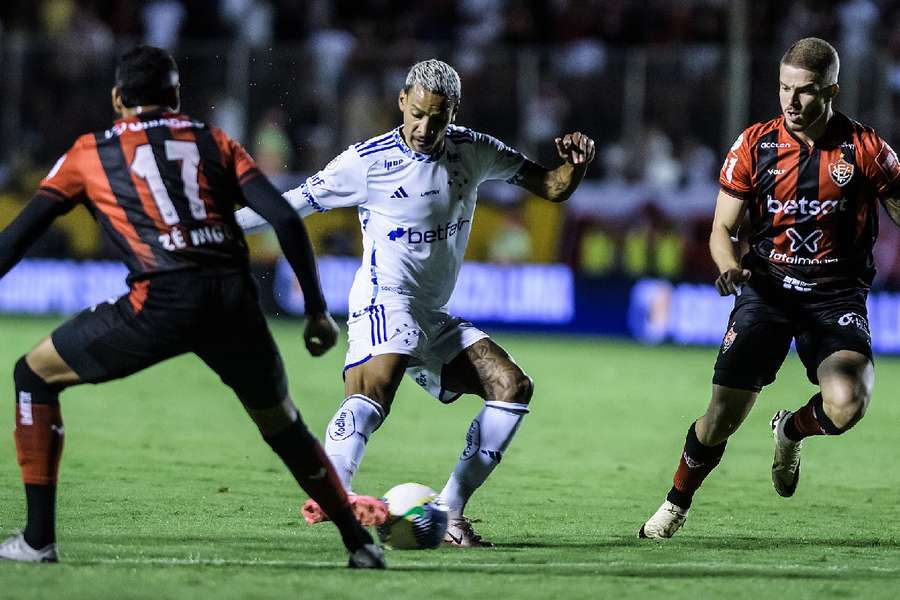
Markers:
145,76
816,55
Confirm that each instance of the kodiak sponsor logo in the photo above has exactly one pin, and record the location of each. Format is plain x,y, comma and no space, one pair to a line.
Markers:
473,441
343,426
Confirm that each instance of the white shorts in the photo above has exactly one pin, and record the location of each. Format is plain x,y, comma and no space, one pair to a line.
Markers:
431,337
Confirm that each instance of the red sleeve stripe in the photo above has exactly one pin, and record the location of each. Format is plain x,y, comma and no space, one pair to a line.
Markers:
248,175
736,194
53,193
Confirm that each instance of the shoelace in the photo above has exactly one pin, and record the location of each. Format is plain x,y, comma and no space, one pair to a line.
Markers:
466,525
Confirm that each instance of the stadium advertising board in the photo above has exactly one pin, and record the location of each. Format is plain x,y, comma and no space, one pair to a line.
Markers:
526,297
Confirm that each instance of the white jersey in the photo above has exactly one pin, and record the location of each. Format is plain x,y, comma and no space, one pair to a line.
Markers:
415,210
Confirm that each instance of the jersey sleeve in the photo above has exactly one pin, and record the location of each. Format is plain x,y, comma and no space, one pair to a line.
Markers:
341,184
880,165
736,175
495,159
65,181
236,158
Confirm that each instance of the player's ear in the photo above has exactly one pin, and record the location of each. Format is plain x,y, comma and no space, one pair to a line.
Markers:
833,91
175,100
117,104
401,100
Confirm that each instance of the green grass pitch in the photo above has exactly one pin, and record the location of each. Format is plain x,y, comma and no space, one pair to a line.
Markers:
167,491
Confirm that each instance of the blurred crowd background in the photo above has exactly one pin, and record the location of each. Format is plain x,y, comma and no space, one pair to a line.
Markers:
662,86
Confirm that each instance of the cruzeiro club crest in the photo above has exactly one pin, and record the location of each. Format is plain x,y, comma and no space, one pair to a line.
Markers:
841,171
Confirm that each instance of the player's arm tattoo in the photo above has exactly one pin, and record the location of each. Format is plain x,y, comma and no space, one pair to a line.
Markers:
556,185
892,206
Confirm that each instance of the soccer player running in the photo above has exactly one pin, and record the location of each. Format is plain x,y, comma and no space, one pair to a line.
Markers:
163,186
809,180
415,189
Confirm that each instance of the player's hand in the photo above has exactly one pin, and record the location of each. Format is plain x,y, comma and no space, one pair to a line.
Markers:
575,148
320,334
731,281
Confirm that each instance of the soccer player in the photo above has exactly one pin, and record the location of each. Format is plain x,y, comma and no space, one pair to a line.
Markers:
415,190
809,180
163,186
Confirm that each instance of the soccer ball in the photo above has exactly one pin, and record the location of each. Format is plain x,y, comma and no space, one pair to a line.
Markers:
417,520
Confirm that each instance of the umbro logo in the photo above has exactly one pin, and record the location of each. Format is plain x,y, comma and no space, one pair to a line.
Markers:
400,193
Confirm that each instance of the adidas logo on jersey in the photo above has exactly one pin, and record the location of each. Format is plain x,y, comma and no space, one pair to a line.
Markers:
443,232
400,193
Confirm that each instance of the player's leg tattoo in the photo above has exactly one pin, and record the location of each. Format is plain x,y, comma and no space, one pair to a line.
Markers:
485,368
498,376
706,439
846,379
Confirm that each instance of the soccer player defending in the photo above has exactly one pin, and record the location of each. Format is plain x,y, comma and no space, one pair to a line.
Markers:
809,180
415,190
163,186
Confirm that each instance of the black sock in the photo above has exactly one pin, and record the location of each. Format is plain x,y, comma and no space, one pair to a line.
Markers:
303,455
40,530
791,432
697,461
352,533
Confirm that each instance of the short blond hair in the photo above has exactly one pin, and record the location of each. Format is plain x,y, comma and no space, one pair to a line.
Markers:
435,76
816,55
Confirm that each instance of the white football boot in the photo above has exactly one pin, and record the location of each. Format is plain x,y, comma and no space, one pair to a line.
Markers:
664,522
16,548
461,534
786,464
369,556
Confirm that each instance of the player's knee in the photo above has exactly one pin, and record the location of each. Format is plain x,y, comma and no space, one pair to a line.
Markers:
517,387
28,381
275,419
846,406
379,388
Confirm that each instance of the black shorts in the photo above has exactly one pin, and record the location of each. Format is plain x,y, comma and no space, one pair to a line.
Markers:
215,315
765,320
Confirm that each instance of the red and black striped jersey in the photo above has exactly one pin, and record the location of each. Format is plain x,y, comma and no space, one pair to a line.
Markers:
813,210
163,187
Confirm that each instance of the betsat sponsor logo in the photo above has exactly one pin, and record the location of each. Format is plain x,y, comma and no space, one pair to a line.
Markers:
805,207
442,233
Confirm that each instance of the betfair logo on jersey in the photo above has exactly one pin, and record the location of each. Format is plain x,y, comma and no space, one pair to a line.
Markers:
443,232
805,207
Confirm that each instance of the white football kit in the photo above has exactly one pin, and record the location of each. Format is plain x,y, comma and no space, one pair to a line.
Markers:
416,213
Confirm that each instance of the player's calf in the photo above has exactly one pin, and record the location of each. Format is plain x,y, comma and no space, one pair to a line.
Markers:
697,461
489,435
356,419
39,439
305,459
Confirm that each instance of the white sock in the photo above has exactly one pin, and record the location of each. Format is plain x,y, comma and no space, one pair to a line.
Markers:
347,434
489,434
